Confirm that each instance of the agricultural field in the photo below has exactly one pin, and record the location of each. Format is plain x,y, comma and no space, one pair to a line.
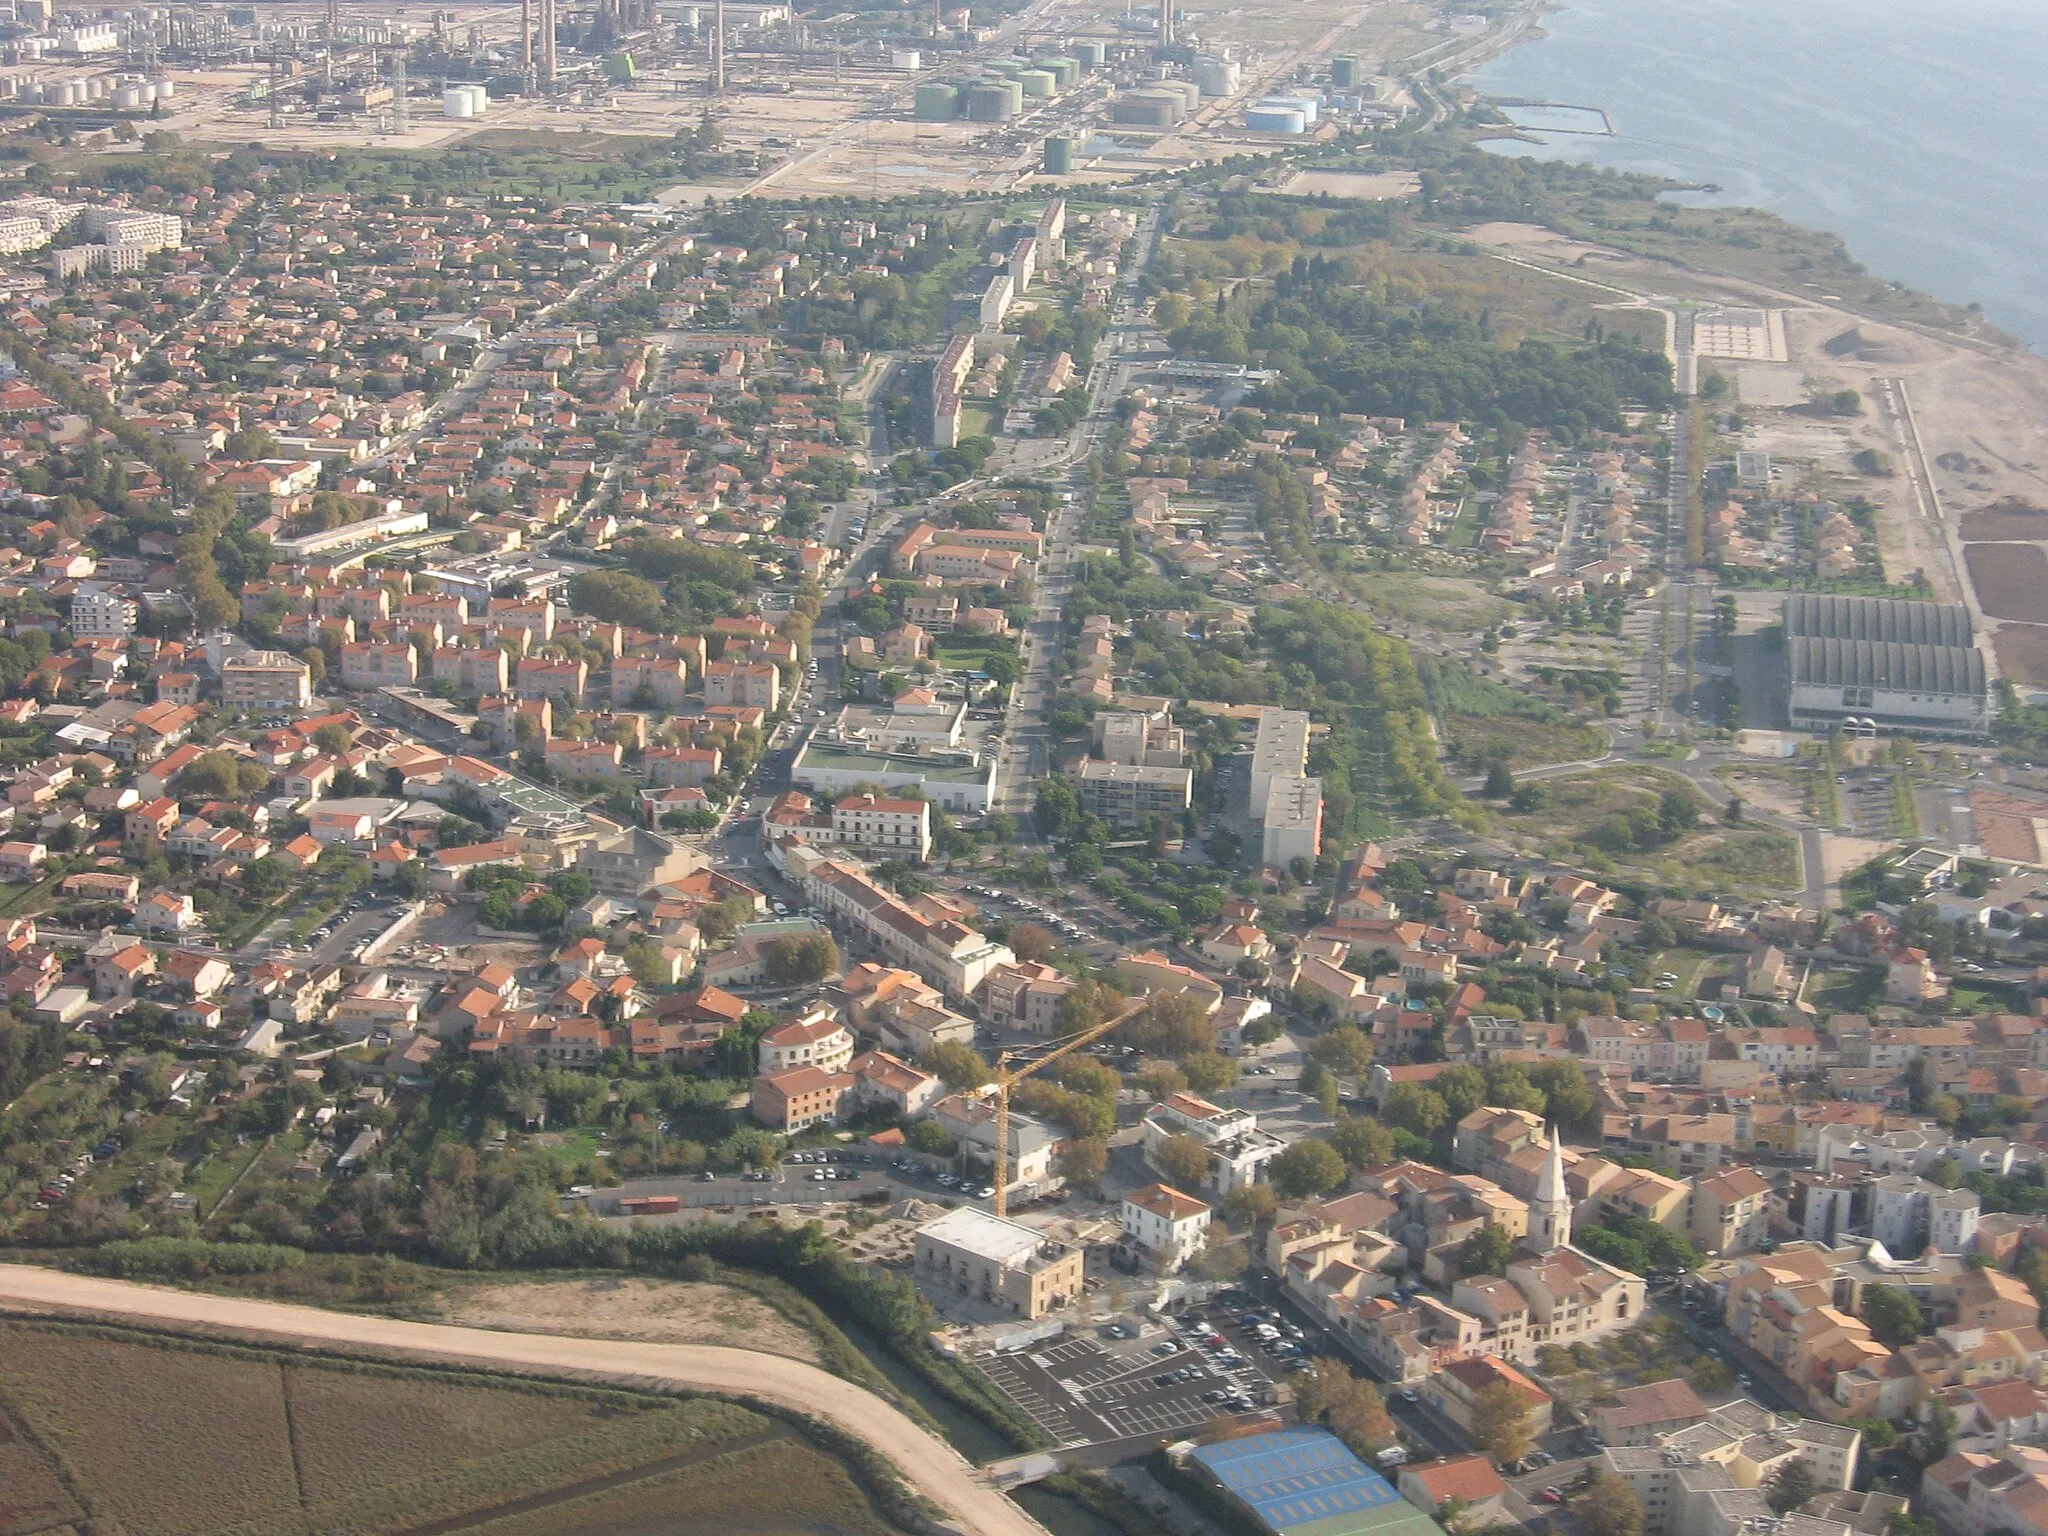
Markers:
2022,651
764,1490
133,1431
2011,580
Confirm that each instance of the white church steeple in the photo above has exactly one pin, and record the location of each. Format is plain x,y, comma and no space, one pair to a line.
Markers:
1550,1212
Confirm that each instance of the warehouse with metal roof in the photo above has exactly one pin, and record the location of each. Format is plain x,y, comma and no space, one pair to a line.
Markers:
1306,1482
1873,664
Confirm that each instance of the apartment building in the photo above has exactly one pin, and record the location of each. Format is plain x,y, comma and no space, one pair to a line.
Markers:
265,680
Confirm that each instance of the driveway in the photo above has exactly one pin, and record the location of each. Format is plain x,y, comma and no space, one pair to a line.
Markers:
930,1465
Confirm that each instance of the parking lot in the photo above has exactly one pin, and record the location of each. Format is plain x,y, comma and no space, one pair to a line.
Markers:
1098,1386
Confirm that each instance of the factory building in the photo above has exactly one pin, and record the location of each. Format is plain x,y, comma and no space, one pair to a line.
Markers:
1872,664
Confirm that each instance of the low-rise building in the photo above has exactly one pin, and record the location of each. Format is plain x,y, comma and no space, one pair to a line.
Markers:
1169,1227
970,1252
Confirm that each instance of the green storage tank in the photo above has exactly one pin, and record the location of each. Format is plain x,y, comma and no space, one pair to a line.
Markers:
1091,54
938,102
1010,69
1067,71
989,102
1037,83
1059,157
1344,71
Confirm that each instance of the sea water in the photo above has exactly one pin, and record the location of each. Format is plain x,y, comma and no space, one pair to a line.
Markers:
1914,129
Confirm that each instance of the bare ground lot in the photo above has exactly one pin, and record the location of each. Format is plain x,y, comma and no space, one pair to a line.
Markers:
2022,651
640,1311
2011,580
2008,519
1371,187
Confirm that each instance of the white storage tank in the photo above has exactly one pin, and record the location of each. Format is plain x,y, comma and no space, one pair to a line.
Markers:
128,97
908,59
479,99
165,89
1217,77
456,102
1307,106
1269,118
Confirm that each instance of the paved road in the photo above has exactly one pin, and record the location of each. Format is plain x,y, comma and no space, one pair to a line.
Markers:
934,1468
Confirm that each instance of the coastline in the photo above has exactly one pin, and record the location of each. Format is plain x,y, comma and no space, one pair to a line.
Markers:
1916,167
1963,412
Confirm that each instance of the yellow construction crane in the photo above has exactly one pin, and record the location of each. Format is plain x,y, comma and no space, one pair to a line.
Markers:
1007,1079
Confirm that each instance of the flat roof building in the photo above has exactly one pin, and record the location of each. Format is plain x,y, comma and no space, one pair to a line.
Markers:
1126,793
1896,665
1280,747
976,1253
1307,1481
1292,820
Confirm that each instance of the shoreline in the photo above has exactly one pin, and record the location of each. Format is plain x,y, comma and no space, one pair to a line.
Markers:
1523,27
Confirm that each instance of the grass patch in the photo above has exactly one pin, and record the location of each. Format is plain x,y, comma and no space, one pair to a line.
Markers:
1736,860
1523,741
1447,603
1852,991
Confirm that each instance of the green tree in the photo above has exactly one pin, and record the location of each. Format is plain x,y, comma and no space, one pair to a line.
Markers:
1182,1162
1173,1024
1938,1434
1501,1425
1892,1314
1609,1507
1209,1072
1308,1167
1249,1204
1462,1089
1362,1143
1416,1108
617,597
1791,1486
1083,1162
1346,1050
957,1064
211,775
1486,1252
799,959
1161,1080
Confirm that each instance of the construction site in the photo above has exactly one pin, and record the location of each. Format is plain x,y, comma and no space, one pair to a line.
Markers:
850,103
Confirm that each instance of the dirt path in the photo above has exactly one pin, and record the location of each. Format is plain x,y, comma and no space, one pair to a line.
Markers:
930,1465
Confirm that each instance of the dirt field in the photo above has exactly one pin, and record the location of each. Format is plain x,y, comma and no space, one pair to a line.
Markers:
2008,519
641,1311
1780,791
2022,651
1371,188
2011,580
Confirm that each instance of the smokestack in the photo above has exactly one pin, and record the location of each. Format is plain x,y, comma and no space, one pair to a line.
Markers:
526,46
1165,23
547,41
718,47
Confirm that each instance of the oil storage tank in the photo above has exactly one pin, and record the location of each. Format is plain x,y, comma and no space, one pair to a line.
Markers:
991,101
1266,117
1149,108
937,102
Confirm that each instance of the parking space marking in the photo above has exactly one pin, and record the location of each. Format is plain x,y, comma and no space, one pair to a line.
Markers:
1049,1416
